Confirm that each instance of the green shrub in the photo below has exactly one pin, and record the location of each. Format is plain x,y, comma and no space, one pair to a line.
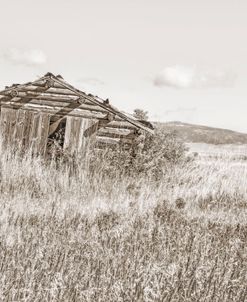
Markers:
150,155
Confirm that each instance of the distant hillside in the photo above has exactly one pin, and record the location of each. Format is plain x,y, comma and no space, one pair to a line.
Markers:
202,134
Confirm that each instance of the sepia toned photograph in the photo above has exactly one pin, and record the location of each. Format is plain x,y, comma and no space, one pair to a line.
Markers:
123,151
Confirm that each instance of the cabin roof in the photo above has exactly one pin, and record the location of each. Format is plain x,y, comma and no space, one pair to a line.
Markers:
91,98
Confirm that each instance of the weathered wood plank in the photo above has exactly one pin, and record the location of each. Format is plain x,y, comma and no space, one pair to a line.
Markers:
72,109
57,103
75,134
43,83
28,130
39,83
88,131
79,133
67,135
19,129
4,125
43,130
116,131
51,90
113,135
34,134
12,126
117,114
116,124
72,131
110,140
46,96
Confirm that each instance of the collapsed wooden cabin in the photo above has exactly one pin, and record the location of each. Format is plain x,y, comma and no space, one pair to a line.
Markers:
50,109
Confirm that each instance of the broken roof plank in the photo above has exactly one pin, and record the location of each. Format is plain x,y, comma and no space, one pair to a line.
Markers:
108,108
68,93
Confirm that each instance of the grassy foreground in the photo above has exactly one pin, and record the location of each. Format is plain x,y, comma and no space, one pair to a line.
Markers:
66,237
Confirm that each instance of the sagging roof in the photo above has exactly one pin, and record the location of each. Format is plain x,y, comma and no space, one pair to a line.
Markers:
50,79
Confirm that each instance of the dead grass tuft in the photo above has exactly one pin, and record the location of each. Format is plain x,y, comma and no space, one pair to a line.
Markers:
68,236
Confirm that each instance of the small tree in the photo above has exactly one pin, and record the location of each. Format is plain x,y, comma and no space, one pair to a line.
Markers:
140,114
157,152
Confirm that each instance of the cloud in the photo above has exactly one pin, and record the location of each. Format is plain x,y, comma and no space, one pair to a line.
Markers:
183,77
28,57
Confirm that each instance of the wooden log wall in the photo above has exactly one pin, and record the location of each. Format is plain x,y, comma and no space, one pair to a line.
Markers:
25,129
30,113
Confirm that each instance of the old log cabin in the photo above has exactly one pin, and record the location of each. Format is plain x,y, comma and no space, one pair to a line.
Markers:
37,112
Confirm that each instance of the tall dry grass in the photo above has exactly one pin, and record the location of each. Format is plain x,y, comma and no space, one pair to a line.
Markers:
68,236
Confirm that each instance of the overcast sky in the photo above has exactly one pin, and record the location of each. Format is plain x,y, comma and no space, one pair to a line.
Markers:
179,60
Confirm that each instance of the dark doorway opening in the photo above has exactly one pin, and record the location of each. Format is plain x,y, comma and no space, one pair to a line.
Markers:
56,134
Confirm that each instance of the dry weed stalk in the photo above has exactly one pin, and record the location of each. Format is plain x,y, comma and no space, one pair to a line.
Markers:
71,237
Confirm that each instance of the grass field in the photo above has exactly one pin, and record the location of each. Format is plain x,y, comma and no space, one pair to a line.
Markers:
67,237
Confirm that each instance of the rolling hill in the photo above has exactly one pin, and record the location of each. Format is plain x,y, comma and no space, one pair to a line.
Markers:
190,133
